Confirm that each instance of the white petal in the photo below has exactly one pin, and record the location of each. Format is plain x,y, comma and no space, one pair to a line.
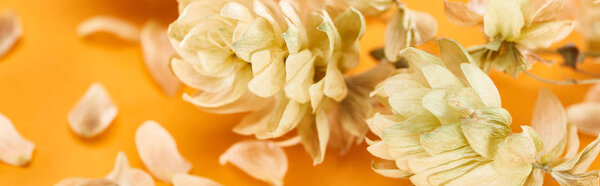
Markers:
10,31
549,120
189,180
122,29
14,149
123,174
157,149
157,54
188,75
263,160
459,13
483,85
93,113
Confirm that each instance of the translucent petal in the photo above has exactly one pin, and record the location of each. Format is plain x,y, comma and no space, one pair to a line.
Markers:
93,113
458,13
14,149
189,180
122,29
157,54
584,116
550,121
503,19
158,151
545,34
482,84
10,31
262,160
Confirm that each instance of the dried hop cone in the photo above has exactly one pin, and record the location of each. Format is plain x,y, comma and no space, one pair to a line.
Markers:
513,27
447,127
284,62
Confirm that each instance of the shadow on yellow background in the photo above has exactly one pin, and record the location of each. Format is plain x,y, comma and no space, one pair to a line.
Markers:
50,69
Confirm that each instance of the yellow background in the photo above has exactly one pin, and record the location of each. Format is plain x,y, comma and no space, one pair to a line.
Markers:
50,69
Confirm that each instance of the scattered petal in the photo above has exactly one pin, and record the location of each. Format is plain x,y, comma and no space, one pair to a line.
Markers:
189,180
10,31
123,174
93,113
157,149
263,160
14,149
121,28
157,54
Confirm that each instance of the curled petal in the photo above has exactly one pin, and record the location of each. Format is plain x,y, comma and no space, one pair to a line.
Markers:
157,54
158,151
550,121
122,29
93,113
572,142
217,99
459,13
580,163
14,149
585,117
10,31
388,168
189,180
396,35
263,160
188,75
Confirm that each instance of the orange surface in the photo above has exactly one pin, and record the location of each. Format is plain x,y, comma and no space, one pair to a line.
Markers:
50,69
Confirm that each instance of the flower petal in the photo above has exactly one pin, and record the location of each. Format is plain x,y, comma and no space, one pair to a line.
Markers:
158,151
453,54
10,31
504,19
550,121
14,149
93,113
572,142
186,72
593,94
585,117
225,97
545,34
123,174
121,28
157,54
189,180
314,131
459,13
263,160
388,168
299,70
580,163
396,35
483,85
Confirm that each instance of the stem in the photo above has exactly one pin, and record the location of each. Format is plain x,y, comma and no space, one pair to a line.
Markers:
564,82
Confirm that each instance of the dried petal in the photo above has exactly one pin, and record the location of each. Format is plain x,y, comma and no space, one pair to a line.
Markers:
189,180
157,149
572,142
544,34
453,54
483,85
14,149
459,13
582,161
121,28
396,35
10,31
504,19
550,121
263,160
157,54
93,113
388,169
585,117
